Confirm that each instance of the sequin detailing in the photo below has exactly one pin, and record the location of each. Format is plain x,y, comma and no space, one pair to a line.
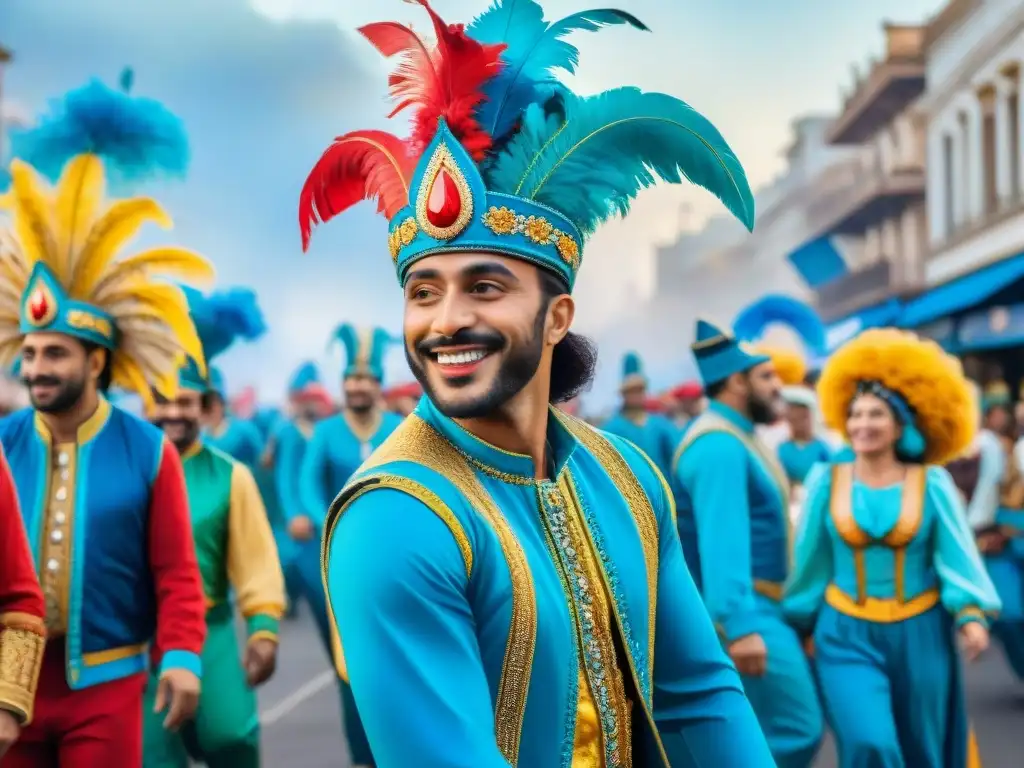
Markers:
597,645
56,541
22,640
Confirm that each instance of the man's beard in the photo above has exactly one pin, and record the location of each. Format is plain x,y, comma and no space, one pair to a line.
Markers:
762,412
517,369
69,392
360,404
188,435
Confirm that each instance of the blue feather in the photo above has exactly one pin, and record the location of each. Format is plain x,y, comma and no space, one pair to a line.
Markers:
5,180
534,50
612,145
137,138
224,317
754,320
127,79
305,374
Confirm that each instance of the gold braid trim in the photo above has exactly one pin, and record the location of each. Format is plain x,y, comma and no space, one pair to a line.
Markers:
22,641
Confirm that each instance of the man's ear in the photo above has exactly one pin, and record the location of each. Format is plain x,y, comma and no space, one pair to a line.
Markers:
97,362
561,312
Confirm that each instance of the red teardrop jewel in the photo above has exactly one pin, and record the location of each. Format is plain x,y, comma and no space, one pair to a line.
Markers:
38,306
444,203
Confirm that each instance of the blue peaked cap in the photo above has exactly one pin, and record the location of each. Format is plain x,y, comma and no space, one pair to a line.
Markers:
719,355
305,375
632,370
220,319
364,350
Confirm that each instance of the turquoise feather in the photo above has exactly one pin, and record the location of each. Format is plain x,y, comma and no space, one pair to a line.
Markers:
751,323
534,49
612,145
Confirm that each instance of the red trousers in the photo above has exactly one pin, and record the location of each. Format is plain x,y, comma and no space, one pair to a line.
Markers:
97,727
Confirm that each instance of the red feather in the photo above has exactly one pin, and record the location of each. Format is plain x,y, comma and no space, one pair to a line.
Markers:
362,165
446,83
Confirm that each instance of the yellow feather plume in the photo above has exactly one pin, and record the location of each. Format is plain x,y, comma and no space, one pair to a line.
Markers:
78,198
166,303
179,263
125,374
33,223
108,235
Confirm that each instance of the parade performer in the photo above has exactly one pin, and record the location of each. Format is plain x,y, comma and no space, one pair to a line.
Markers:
529,560
101,491
338,446
22,613
804,447
733,500
309,402
236,315
651,432
886,571
402,399
686,402
237,554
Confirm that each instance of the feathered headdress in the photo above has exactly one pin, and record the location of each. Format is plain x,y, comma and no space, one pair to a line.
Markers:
775,309
364,349
502,157
221,319
60,261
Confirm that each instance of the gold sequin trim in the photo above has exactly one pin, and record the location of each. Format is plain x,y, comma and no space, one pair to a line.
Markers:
401,236
643,513
442,159
21,659
418,442
536,229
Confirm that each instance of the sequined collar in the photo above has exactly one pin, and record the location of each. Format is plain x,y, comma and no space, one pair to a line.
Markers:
497,462
88,428
732,415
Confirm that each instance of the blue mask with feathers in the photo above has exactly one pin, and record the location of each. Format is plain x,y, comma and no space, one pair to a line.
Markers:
505,159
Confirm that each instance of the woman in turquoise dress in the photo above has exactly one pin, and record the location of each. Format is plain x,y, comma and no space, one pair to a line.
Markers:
887,577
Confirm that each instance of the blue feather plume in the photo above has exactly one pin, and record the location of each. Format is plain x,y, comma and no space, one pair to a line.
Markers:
609,147
304,375
754,320
5,180
224,317
137,138
535,48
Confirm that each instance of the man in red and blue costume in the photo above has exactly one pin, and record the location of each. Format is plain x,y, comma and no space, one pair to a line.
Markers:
102,493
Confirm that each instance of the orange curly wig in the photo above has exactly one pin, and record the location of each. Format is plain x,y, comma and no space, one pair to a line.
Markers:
788,364
931,381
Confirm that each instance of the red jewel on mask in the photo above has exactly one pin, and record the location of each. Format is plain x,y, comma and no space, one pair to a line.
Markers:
444,202
38,306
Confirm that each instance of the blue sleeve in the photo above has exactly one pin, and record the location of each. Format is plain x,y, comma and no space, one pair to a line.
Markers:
714,472
984,504
314,501
700,709
407,632
812,562
287,470
253,444
966,589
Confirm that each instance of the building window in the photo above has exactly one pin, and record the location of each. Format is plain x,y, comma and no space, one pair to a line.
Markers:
990,186
948,210
965,210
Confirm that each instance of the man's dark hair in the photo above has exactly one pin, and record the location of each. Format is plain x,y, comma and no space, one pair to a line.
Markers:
210,398
714,390
574,358
103,382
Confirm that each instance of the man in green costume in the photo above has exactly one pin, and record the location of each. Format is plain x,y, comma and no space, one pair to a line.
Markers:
236,553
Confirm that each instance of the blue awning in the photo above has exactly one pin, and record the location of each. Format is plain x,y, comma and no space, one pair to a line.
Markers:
818,262
963,293
879,315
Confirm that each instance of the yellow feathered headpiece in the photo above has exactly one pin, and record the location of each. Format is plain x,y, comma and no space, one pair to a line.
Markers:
931,383
61,272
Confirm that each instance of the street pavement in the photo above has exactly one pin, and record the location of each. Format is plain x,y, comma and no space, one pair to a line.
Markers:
302,723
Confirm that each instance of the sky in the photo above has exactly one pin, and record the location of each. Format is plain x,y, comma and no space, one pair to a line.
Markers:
264,85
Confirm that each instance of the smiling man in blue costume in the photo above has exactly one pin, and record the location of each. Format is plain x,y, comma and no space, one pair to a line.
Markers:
101,491
337,447
308,403
733,501
236,554
531,560
650,432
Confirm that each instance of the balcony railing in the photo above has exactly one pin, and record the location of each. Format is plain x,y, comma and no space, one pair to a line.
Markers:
851,198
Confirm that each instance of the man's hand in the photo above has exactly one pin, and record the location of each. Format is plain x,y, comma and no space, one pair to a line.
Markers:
178,693
260,660
991,542
973,639
750,655
301,528
9,731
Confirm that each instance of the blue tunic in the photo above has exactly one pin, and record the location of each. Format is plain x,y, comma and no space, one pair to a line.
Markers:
881,576
239,439
465,643
797,458
653,434
733,501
